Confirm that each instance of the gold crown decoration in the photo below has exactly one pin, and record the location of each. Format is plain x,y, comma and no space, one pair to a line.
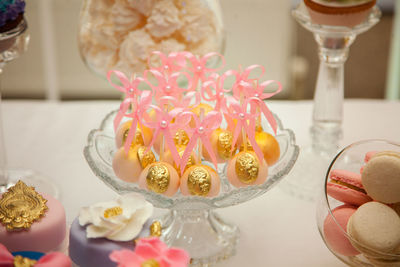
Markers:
21,206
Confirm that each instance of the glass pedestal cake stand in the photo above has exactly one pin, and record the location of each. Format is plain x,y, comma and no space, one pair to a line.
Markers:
191,222
326,131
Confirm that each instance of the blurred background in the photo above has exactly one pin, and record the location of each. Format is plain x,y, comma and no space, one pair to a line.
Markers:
257,32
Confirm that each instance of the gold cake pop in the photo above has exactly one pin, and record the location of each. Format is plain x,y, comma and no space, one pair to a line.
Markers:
127,165
122,134
268,145
221,142
245,169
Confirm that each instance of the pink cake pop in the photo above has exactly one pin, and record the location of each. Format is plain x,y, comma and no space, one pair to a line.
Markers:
161,177
199,179
246,167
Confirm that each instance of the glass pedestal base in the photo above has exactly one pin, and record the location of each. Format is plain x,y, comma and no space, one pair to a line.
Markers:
41,183
202,233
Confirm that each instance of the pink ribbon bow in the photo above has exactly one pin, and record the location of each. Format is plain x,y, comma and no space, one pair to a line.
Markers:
163,124
245,121
256,93
169,64
129,88
167,85
184,103
49,260
199,66
133,109
242,79
202,130
215,84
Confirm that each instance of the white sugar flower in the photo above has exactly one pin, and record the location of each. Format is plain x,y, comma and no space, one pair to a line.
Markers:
119,220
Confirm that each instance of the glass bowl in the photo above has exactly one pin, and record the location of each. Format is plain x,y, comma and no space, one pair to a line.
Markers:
191,223
122,34
352,158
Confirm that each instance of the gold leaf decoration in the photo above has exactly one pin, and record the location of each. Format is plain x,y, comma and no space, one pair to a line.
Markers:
21,206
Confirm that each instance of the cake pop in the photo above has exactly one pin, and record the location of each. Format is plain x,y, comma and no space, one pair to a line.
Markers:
161,177
246,167
127,165
199,179
221,142
269,146
122,134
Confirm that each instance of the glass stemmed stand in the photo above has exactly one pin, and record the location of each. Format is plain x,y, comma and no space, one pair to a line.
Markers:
326,130
12,44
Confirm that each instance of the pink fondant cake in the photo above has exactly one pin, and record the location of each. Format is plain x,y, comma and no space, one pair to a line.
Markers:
44,234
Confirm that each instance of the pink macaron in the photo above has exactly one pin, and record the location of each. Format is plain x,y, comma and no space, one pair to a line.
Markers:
367,157
334,231
347,187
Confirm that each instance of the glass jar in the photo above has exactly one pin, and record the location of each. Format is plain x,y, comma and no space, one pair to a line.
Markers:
334,216
121,34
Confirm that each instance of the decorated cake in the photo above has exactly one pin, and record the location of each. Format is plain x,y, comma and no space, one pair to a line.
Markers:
11,14
347,13
31,221
117,34
109,226
180,133
32,259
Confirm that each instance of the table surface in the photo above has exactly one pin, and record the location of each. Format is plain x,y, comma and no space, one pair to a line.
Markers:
49,137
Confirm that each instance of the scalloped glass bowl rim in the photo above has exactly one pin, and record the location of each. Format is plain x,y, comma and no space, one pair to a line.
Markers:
180,200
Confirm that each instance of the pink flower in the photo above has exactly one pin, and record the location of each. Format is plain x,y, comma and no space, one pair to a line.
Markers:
49,260
151,252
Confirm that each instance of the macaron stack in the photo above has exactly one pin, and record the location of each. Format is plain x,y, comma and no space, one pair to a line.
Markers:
368,221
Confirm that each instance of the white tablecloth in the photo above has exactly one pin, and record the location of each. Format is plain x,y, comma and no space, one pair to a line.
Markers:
276,228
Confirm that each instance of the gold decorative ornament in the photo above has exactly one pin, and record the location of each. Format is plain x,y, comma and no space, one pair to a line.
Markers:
247,167
224,144
150,263
137,140
199,181
190,162
155,229
158,178
145,159
181,137
112,212
20,261
21,206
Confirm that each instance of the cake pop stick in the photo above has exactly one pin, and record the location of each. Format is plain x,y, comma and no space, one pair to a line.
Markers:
244,121
202,130
135,113
215,83
163,124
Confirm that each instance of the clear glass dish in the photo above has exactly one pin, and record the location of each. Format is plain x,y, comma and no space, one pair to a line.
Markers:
351,158
191,222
